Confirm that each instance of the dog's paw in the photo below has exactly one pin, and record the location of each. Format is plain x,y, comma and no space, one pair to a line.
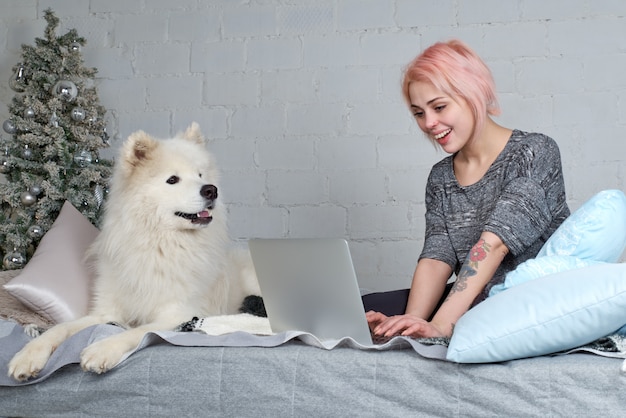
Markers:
33,330
27,363
100,357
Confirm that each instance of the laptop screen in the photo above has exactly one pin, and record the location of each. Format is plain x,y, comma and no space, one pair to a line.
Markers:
310,285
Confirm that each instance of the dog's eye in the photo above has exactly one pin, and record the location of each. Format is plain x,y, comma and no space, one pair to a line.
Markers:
173,180
200,175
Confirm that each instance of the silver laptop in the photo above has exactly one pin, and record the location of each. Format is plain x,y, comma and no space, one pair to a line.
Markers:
310,285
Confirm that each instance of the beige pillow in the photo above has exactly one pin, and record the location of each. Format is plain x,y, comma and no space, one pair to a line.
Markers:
56,282
14,310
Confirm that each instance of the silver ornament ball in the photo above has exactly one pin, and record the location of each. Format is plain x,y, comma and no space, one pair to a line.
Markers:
29,113
83,158
65,90
78,114
28,199
35,189
13,260
35,231
9,127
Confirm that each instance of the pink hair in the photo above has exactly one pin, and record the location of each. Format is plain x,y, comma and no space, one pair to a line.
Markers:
457,71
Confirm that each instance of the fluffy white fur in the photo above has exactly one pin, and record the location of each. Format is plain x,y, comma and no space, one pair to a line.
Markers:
154,268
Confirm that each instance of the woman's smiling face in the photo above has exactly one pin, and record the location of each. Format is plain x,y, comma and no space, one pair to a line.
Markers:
448,122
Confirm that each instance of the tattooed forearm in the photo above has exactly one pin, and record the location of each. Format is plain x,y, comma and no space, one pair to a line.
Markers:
461,281
477,254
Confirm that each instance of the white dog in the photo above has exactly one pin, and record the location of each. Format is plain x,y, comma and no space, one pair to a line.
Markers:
162,257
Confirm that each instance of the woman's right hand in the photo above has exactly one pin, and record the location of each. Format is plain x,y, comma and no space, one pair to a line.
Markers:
374,319
407,325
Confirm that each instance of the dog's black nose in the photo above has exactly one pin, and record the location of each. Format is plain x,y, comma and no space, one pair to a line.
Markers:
209,192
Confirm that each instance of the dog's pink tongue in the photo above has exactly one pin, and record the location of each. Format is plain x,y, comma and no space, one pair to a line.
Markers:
204,214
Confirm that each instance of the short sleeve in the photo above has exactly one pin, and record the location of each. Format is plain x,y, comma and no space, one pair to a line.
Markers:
437,245
532,203
521,215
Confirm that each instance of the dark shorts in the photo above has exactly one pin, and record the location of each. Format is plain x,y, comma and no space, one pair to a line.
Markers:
394,302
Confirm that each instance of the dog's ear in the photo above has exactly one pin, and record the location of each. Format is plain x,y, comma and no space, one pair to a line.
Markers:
138,148
192,133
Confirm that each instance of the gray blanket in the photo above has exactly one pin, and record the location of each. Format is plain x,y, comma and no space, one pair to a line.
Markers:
13,338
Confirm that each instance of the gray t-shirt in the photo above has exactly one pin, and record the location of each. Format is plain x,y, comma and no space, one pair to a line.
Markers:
521,199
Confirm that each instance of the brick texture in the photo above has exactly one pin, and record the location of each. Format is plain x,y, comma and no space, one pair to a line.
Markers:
301,99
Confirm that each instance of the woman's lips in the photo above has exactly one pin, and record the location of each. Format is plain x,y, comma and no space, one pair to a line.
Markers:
442,137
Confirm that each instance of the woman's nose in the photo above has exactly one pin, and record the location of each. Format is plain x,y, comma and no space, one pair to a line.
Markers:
431,120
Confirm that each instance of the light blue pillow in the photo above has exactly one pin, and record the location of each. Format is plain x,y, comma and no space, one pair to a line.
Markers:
539,267
594,233
550,314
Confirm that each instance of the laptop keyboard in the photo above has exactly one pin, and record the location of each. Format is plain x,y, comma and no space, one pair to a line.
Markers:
380,339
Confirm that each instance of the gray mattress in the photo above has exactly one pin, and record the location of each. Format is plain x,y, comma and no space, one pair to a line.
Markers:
295,379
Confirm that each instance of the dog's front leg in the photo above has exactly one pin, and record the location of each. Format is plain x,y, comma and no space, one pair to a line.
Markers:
107,353
31,359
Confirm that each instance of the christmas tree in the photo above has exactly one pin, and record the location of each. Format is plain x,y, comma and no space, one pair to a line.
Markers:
55,131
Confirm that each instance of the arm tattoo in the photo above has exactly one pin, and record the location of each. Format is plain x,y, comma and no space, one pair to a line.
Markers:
477,254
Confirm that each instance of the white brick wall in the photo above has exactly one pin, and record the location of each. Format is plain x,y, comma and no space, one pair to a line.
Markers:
301,99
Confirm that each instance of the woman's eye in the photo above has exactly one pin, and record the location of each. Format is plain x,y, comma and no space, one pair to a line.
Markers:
440,108
418,114
173,180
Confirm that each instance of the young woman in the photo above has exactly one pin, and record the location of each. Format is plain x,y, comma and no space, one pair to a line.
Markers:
490,205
